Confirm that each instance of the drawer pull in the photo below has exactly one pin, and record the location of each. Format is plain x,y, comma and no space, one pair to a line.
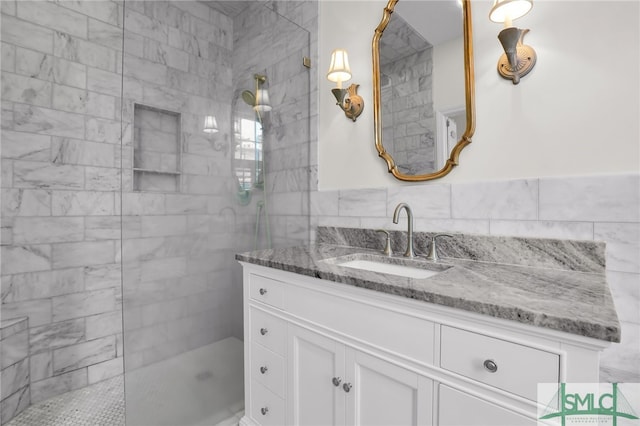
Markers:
347,387
264,410
490,366
263,369
263,331
336,381
263,291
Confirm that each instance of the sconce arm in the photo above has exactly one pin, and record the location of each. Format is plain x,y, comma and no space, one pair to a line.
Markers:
349,101
518,59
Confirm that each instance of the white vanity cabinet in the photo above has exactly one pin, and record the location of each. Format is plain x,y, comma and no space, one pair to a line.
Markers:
325,353
336,384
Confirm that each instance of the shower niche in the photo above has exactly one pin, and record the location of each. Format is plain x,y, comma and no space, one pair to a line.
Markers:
157,150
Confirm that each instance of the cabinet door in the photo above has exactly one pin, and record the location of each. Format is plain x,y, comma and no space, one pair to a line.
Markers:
457,408
383,393
314,362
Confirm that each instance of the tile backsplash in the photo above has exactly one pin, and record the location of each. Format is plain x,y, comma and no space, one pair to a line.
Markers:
560,254
597,207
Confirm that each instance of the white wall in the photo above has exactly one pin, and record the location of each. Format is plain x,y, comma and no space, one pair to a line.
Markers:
346,150
576,113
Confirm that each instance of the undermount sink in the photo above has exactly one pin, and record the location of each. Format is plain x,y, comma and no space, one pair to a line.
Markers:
409,268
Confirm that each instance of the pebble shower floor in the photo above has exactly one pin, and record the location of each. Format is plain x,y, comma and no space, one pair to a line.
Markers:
101,404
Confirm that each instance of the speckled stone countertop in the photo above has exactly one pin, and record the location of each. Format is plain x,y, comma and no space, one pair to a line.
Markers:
576,300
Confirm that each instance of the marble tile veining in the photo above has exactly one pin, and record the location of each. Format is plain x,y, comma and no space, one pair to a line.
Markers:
23,33
49,15
25,202
57,335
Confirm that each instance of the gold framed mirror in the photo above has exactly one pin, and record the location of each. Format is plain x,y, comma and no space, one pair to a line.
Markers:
416,123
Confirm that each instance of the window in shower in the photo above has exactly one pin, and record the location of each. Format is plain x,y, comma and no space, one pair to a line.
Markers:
156,150
248,153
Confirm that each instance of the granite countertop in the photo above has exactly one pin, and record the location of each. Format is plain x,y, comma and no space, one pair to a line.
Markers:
566,300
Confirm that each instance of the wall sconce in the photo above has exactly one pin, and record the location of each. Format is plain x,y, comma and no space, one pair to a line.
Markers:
211,127
518,59
210,124
347,99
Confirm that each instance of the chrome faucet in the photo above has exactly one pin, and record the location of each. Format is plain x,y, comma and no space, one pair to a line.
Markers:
396,216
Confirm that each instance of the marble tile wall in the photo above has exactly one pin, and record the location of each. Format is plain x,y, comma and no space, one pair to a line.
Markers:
14,368
177,239
60,189
601,208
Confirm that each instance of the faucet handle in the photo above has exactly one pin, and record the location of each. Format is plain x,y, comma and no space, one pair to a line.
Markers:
433,249
387,245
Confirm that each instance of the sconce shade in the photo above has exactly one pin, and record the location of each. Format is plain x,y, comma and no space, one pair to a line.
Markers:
262,101
339,69
210,124
508,10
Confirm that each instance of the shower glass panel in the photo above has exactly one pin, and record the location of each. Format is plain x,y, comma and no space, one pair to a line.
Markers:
61,318
188,205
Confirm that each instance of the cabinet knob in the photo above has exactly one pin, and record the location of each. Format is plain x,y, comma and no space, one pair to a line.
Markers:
264,410
347,387
263,369
263,331
490,366
336,381
263,291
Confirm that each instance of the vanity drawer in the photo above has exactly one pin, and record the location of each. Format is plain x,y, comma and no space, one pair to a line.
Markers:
266,290
266,407
518,368
406,335
269,331
456,408
267,368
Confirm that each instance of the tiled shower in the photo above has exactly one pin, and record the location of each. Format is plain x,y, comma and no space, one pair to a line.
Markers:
120,216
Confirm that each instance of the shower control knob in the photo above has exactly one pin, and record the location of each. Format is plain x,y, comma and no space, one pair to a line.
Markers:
263,369
263,291
263,331
264,410
490,365
336,381
347,387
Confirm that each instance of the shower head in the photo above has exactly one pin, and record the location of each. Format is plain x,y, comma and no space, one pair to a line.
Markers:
249,97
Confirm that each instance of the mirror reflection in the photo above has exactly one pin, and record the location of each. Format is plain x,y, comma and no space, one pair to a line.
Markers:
421,86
